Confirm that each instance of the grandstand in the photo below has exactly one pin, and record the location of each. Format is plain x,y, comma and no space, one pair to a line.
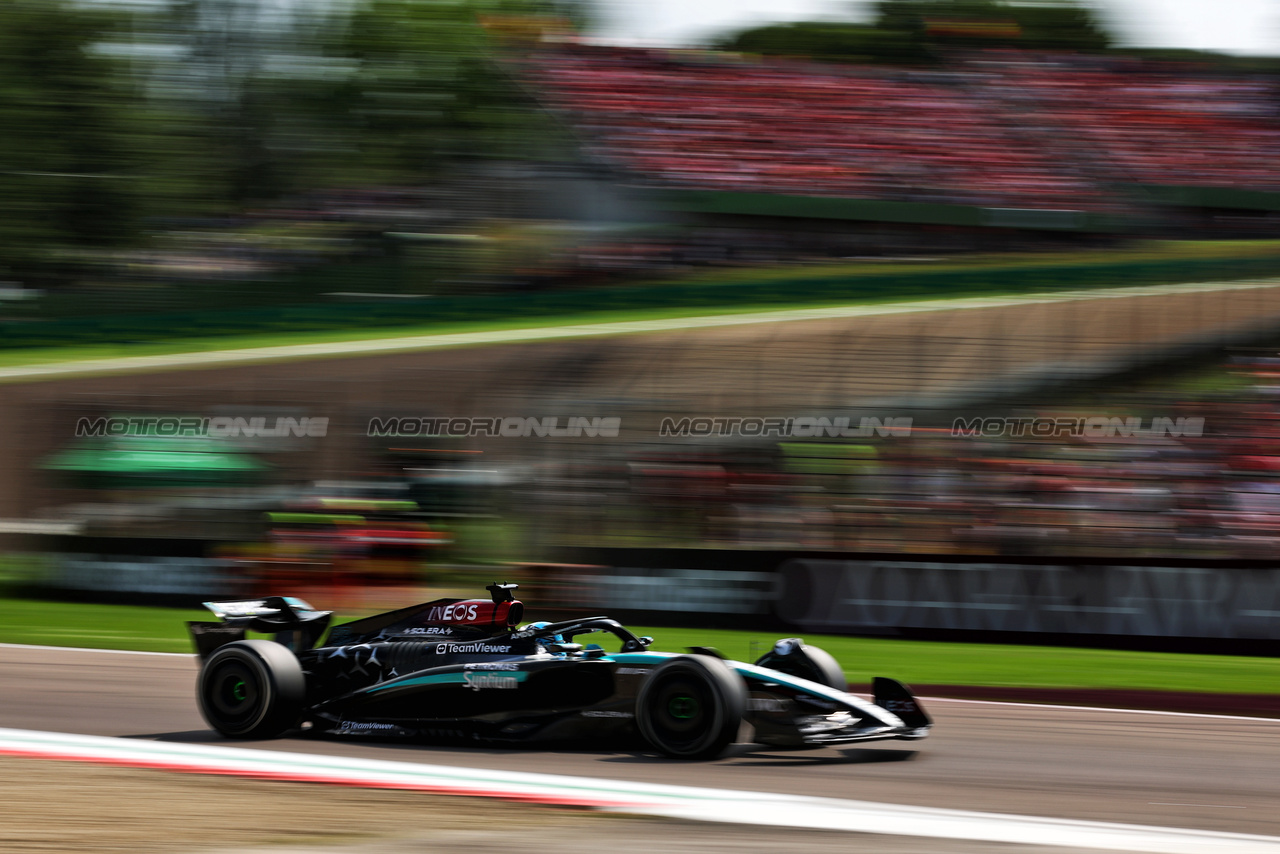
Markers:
1151,124
1094,140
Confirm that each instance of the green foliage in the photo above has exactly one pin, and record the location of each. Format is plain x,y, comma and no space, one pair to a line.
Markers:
425,86
1051,24
200,107
831,42
67,151
914,31
1060,26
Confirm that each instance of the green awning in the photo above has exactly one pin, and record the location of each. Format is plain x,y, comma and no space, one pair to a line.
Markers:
147,461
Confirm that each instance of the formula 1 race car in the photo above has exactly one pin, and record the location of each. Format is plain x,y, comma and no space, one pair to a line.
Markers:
465,670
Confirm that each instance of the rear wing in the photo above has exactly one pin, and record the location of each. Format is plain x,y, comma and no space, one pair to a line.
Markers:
294,623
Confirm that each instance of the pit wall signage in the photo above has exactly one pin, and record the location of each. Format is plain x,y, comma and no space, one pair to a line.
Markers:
1150,601
886,594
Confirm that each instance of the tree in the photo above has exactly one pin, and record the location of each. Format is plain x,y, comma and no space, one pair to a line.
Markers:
427,86
830,42
1039,24
68,163
912,31
249,88
191,107
283,97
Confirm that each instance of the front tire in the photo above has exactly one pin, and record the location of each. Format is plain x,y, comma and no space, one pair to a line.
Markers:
252,689
796,658
691,707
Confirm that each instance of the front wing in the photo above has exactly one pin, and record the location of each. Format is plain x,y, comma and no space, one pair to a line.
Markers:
787,711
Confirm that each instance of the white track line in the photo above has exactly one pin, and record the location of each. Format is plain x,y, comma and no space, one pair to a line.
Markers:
1101,709
375,346
92,649
739,807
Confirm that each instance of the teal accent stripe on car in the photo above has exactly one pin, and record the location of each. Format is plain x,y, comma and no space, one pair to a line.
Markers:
762,674
641,657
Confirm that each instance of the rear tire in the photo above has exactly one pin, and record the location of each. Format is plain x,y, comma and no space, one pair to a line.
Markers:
691,707
252,689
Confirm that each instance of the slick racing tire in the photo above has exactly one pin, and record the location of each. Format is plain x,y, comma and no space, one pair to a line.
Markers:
807,662
252,689
828,670
691,707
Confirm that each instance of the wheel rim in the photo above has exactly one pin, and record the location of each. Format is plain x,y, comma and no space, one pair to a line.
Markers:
682,706
234,693
680,713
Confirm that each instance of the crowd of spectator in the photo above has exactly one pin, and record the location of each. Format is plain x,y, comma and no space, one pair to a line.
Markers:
1004,129
1149,123
1213,491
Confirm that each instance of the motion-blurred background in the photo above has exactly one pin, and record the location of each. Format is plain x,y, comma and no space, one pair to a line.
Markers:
1081,442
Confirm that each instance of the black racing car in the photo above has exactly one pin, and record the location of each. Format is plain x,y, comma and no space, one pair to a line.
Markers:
462,670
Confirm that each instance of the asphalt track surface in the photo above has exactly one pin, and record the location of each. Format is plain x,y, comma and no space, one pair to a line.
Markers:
1201,772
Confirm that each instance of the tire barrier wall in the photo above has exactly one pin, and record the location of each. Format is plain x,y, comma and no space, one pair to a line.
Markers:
150,578
1230,606
858,596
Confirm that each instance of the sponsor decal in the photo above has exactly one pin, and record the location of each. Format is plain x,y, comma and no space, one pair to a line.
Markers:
426,630
219,629
493,665
633,671
901,707
458,611
453,648
365,726
248,608
484,681
606,714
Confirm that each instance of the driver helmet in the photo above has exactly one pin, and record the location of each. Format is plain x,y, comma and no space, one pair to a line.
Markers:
544,639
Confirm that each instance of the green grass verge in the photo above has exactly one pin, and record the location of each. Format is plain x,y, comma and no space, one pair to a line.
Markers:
1140,251
58,355
96,626
733,303
61,355
162,630
935,663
